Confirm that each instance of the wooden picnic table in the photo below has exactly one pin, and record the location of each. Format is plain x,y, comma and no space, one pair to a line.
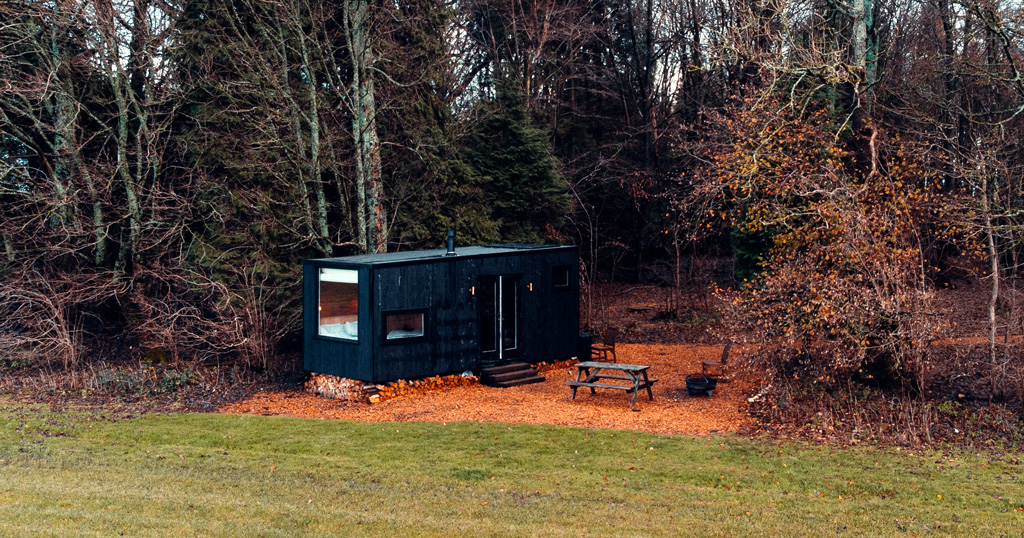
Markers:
589,373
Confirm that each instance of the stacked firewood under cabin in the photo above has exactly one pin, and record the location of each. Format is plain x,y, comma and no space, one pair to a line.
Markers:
340,388
351,390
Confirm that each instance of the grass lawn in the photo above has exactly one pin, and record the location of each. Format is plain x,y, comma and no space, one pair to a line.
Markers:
223,475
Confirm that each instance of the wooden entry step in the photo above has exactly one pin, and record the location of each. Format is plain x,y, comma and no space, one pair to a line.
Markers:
509,375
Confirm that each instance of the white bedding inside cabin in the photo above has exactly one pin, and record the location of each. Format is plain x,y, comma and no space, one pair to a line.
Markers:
399,333
348,330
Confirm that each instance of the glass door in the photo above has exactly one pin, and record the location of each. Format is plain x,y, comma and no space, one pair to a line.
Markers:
498,317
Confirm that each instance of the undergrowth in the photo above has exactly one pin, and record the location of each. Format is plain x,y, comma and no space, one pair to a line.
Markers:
146,386
876,416
851,412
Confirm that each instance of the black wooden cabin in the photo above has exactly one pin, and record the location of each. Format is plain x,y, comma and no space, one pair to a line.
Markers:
401,315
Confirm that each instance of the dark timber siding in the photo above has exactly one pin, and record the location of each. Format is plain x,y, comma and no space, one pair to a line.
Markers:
446,290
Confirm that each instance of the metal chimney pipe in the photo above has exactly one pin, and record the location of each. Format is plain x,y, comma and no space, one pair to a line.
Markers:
451,243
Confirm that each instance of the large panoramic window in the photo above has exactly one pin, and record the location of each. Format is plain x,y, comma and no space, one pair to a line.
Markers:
403,325
339,303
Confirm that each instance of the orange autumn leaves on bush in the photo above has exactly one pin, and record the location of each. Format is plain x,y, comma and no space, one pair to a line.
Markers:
842,275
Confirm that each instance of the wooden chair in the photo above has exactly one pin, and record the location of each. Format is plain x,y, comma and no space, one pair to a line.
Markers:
599,351
708,367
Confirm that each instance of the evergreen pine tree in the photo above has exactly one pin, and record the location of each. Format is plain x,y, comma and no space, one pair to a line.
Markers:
431,186
512,158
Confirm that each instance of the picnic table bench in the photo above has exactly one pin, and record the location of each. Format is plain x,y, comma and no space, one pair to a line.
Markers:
590,373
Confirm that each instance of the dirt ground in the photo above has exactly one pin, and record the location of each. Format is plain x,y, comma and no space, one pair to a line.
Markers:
671,412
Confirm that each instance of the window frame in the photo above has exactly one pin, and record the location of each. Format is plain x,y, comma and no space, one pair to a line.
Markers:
568,277
404,312
320,271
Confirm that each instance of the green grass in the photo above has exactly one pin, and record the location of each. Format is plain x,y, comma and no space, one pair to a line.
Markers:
218,475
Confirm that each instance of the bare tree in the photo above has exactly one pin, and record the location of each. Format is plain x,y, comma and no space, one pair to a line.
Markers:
363,107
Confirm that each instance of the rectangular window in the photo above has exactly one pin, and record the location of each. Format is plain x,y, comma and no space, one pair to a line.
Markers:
339,303
560,277
403,325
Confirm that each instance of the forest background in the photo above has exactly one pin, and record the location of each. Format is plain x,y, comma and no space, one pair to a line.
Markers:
166,164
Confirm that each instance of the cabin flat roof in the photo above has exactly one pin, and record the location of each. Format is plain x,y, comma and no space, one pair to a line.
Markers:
439,253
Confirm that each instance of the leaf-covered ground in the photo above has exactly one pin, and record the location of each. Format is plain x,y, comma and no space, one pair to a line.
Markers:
671,411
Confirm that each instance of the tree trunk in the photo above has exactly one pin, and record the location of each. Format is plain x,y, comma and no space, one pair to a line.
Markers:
372,236
123,99
316,176
99,226
297,135
123,168
8,248
993,254
64,135
678,282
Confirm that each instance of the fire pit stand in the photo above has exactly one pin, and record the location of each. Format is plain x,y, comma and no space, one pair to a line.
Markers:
700,385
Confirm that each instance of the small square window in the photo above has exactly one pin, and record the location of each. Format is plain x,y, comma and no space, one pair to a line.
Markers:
560,277
403,325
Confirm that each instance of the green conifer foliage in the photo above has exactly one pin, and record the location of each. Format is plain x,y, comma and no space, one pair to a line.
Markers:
512,157
430,185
